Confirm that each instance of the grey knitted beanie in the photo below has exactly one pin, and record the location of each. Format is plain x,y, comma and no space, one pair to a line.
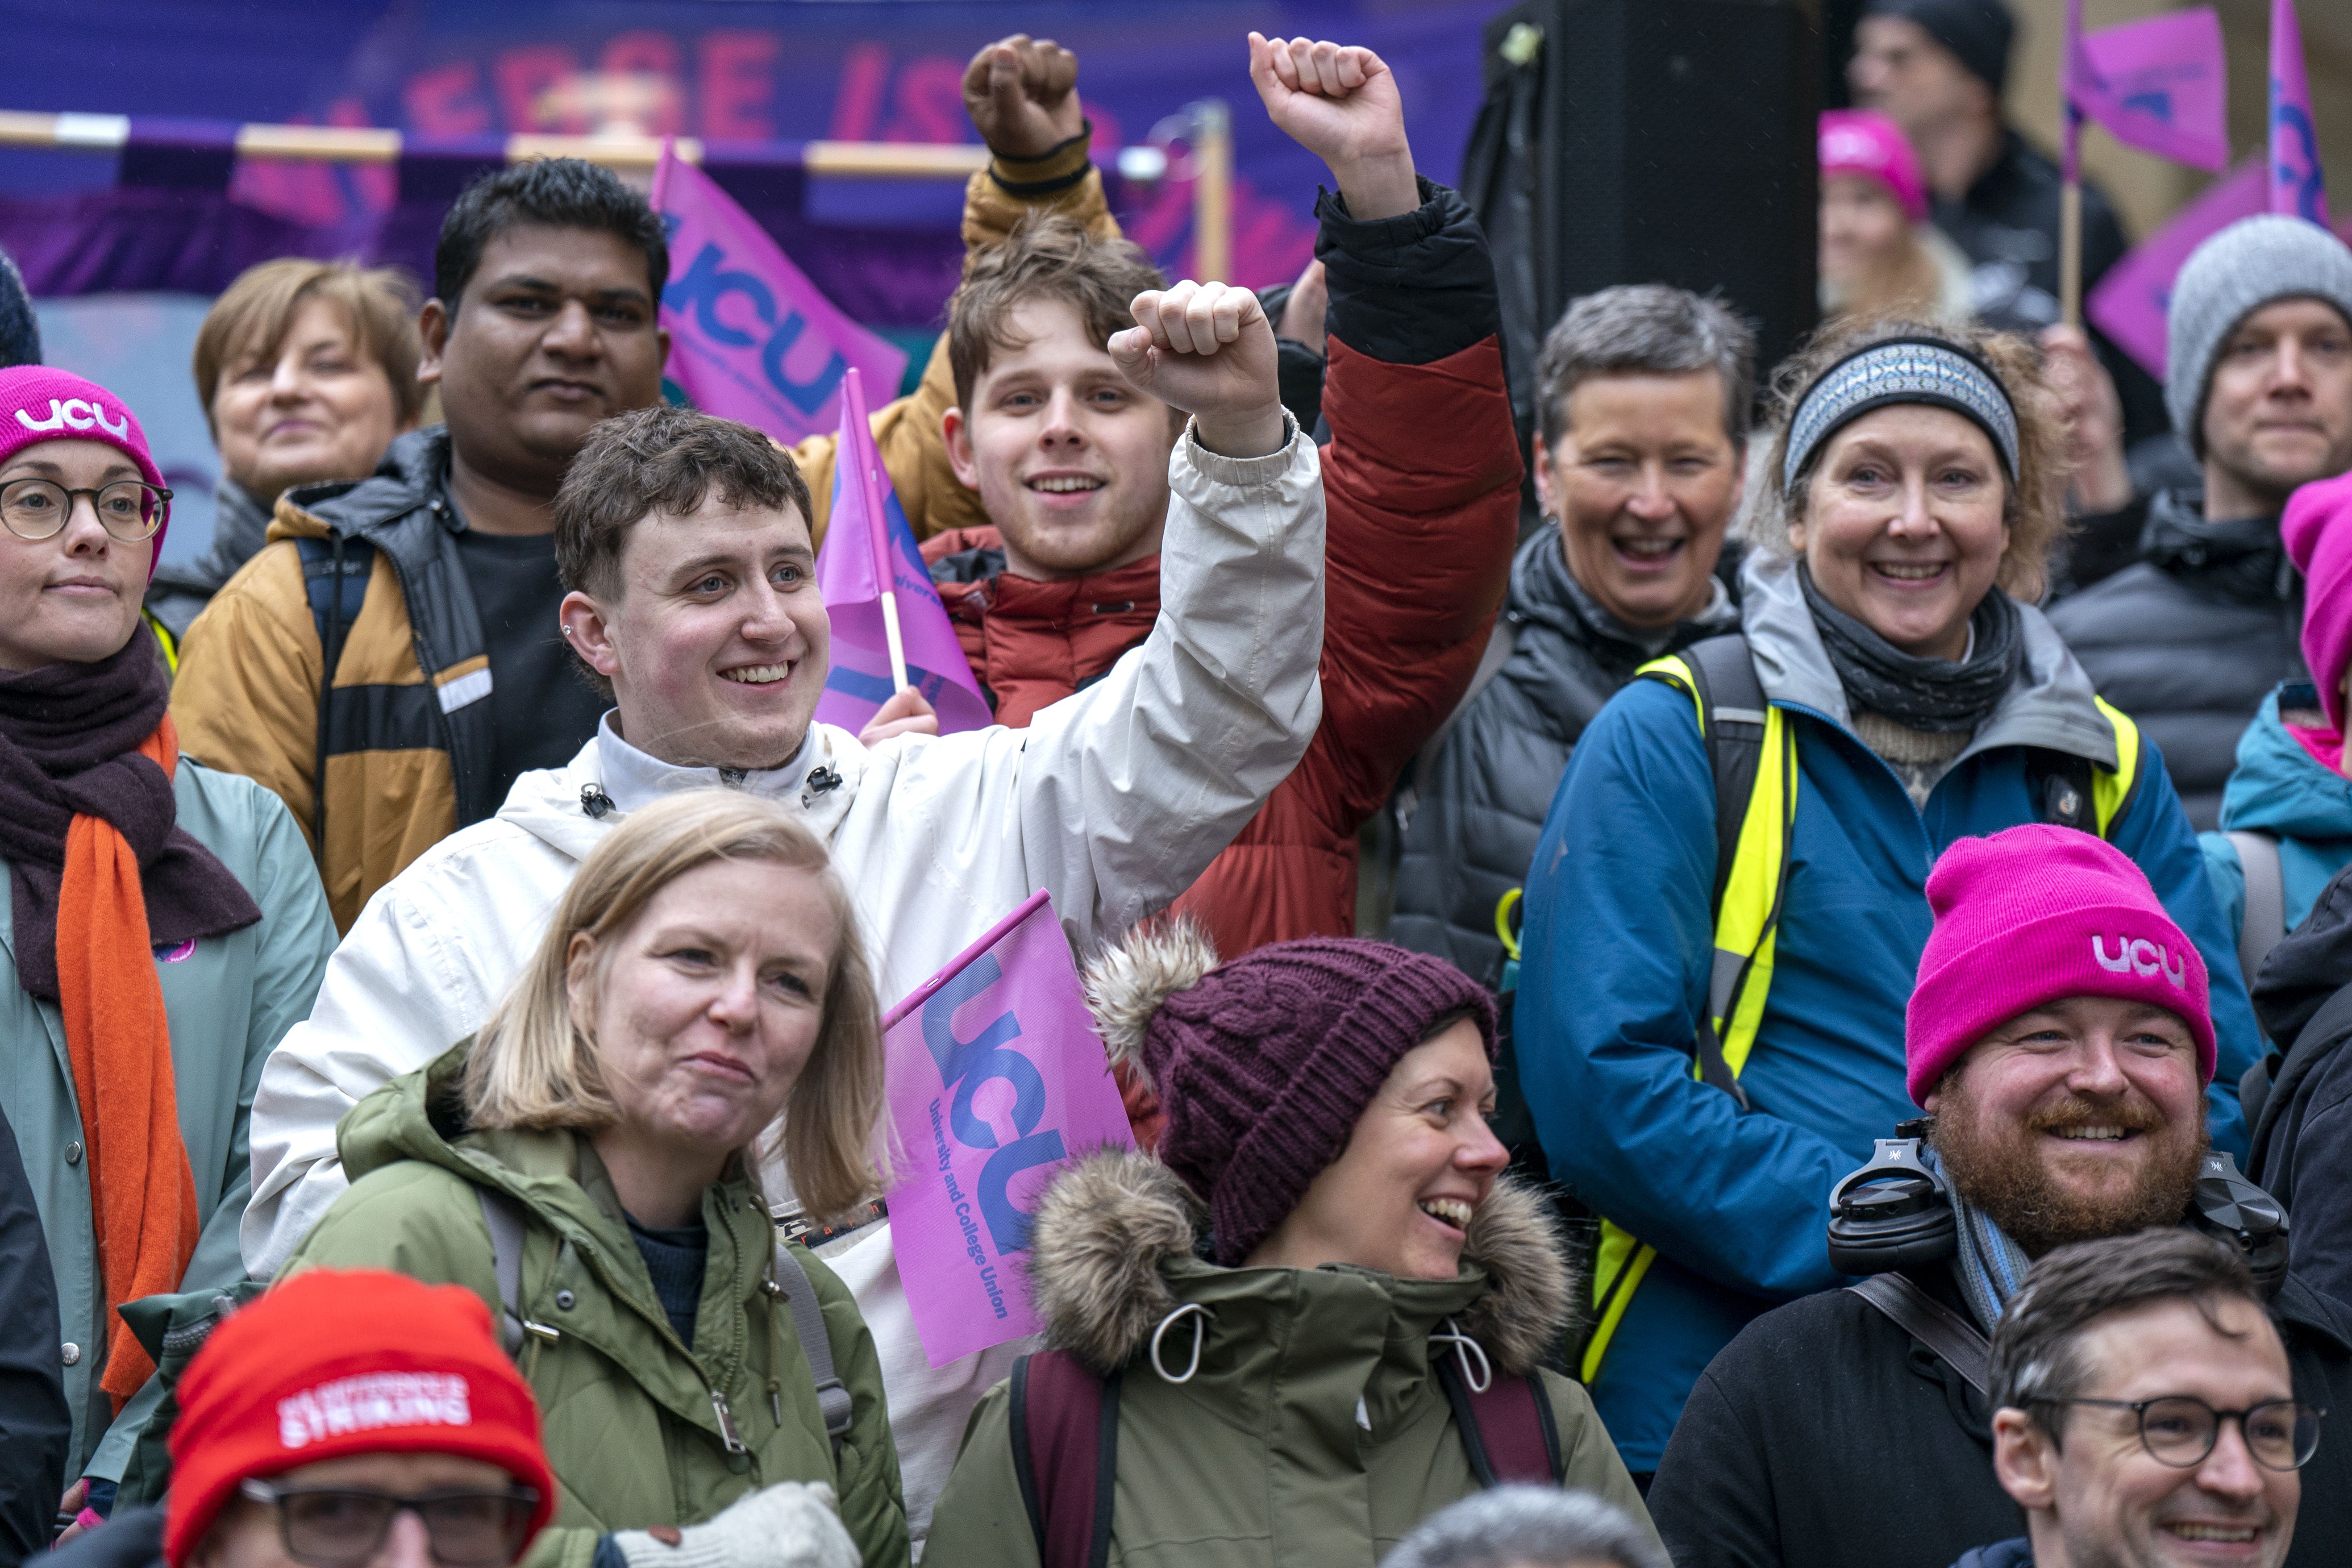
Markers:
2252,263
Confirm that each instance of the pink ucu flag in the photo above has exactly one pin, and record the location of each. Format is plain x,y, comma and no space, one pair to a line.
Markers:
2138,955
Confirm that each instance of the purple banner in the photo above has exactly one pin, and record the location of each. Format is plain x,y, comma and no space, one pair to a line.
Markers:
737,74
2130,302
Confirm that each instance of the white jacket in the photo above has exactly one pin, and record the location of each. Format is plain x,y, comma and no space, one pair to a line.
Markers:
1114,799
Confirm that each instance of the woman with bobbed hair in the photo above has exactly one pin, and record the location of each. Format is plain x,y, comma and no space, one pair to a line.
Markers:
305,370
591,1164
1273,1334
1726,911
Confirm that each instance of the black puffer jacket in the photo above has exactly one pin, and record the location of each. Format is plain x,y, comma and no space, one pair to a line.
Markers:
2191,639
2302,1150
1468,824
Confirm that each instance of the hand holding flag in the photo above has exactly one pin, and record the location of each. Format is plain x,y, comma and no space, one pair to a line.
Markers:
890,632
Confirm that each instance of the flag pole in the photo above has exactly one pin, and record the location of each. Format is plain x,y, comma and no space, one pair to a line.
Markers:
877,535
2069,191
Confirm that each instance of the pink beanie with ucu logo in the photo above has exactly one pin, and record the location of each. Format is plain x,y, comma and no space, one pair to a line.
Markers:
2034,915
41,403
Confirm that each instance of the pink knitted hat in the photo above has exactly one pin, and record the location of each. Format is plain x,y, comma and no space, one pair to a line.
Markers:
1864,142
2317,528
41,403
2034,914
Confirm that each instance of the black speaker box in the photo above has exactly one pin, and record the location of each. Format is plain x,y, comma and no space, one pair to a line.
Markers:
1650,141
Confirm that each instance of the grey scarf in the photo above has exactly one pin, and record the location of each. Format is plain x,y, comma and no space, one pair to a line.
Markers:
1937,695
1990,1265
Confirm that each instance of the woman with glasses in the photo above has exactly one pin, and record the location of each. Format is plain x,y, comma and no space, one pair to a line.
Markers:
164,925
592,1163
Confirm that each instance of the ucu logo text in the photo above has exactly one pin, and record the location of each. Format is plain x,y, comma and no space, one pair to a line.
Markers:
2136,955
74,413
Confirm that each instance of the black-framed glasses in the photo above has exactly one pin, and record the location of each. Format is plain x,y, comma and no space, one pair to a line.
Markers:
2180,1429
346,1527
128,509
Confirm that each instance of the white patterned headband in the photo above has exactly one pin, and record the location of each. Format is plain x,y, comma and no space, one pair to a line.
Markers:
1900,370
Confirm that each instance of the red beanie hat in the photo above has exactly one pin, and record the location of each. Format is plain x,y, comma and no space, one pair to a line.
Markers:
2317,530
41,403
2032,915
335,1363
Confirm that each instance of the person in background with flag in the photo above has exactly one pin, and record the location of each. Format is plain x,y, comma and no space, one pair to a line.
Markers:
1072,468
702,971
165,929
1325,1305
2192,637
1937,67
684,542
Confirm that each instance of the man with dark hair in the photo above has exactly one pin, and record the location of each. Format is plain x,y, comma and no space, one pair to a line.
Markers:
389,663
1937,69
1643,395
2061,1038
2144,1412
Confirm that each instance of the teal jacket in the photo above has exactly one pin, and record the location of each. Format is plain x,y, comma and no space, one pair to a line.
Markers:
229,1002
2280,789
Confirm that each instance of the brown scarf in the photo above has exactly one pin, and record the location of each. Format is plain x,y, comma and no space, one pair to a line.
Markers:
101,872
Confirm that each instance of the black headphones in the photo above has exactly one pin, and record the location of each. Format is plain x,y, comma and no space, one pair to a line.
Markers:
1895,1213
2224,1203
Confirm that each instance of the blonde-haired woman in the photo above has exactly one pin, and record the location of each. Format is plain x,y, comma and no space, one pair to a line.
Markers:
699,1004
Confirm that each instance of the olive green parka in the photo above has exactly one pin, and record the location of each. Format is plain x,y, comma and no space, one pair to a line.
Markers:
1314,1433
632,1416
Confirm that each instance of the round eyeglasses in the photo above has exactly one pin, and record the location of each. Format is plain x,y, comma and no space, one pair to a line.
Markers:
346,1527
2180,1430
128,509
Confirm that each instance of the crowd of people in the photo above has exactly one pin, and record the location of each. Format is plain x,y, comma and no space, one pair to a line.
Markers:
1841,1066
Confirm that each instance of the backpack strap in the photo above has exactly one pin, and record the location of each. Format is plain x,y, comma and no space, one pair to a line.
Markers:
808,1321
1066,1455
2264,921
335,571
1956,1341
1508,1430
504,1220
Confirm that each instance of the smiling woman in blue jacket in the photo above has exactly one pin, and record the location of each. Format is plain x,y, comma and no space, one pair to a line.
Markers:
1710,1037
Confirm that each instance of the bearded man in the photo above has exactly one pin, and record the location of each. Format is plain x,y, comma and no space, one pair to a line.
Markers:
2061,1038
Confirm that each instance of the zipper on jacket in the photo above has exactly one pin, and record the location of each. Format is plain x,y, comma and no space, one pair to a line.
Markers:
727,1432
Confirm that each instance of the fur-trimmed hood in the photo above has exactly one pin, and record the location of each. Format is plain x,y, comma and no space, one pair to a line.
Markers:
1111,1254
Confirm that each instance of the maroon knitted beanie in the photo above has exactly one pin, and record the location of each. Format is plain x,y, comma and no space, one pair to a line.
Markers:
1264,1065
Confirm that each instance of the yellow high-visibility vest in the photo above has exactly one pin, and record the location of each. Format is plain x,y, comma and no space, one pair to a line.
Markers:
1747,919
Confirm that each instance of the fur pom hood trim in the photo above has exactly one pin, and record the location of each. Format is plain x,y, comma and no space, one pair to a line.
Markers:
1126,983
1105,1224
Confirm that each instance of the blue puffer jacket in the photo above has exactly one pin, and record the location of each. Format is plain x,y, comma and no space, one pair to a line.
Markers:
1618,943
2280,789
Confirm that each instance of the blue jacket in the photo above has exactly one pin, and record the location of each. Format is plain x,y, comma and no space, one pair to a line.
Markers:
1618,943
2280,789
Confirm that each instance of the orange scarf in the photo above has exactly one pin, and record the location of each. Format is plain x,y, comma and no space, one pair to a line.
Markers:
143,1194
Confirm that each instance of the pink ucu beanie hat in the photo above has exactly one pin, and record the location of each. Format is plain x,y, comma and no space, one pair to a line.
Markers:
38,403
2032,915
2317,528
